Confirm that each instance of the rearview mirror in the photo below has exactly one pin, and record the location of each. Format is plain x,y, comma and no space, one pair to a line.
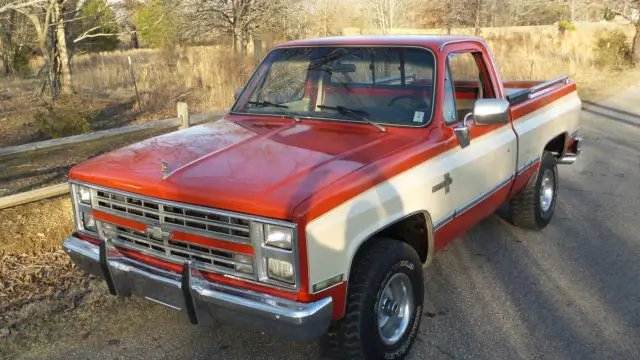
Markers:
491,111
236,94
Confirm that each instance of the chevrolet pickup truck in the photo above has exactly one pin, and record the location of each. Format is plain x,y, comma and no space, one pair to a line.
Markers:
313,208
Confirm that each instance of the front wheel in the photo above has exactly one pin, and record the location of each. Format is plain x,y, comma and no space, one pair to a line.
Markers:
384,305
533,207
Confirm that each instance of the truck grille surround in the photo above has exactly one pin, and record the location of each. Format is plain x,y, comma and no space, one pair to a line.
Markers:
169,217
205,223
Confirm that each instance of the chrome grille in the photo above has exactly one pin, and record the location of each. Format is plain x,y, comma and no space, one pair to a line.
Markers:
178,217
206,258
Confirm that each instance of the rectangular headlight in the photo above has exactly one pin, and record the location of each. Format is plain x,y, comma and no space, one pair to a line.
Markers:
278,236
88,222
280,270
83,194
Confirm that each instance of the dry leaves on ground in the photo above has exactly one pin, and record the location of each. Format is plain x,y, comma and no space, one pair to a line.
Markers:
27,278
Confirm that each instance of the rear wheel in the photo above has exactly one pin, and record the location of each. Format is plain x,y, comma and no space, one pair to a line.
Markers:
533,207
384,305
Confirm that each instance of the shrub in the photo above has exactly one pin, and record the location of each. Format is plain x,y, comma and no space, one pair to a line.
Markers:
62,119
565,25
20,61
613,50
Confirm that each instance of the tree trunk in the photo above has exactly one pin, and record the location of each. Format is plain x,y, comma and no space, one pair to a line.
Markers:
635,47
477,20
64,69
6,43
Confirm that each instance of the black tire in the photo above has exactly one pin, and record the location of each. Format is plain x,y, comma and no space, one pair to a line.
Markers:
356,335
526,208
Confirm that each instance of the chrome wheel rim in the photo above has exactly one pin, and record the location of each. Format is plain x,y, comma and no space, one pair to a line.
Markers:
395,308
547,188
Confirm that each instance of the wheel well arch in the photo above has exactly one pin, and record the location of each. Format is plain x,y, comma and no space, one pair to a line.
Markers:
415,229
558,145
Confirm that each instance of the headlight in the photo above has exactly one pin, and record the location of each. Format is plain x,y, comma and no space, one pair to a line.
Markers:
81,198
280,270
276,254
84,194
88,222
278,236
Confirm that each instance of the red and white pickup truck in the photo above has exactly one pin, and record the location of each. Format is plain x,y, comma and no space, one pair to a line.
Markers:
313,208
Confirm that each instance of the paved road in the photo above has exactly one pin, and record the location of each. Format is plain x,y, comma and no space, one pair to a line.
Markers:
569,292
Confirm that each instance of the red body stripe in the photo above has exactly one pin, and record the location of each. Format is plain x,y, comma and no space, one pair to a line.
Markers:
465,221
220,244
119,221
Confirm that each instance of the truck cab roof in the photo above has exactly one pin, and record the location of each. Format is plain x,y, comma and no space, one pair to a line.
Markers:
431,41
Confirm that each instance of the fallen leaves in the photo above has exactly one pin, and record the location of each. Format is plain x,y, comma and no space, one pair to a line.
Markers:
26,278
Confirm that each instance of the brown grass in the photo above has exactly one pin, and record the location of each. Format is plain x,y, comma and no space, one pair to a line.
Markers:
204,76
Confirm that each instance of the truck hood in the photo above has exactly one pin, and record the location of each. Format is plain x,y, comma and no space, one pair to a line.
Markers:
261,166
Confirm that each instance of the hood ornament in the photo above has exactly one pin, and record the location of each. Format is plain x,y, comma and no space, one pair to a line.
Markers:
165,167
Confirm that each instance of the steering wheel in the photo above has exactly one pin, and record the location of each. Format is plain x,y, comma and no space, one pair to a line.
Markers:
419,102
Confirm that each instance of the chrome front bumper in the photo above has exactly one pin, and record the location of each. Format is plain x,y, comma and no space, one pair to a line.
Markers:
201,300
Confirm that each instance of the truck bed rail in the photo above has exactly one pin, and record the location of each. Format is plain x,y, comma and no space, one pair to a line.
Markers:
534,91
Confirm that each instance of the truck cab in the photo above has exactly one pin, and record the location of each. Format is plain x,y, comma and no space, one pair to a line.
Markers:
313,208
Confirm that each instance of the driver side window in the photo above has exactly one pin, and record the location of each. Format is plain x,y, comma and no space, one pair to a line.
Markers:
468,81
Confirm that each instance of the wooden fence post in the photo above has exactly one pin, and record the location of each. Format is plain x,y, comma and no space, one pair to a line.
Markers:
183,114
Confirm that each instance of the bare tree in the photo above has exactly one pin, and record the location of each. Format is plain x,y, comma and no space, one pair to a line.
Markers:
387,14
49,19
239,19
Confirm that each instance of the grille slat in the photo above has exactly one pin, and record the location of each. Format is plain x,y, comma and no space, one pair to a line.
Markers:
201,222
211,259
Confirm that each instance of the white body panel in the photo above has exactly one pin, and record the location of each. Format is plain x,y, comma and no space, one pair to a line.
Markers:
476,171
536,129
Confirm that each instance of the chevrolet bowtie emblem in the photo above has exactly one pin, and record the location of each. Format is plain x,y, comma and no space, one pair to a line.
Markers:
158,233
165,167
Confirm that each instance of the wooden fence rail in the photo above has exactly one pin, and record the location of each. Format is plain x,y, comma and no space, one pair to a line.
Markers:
158,124
183,120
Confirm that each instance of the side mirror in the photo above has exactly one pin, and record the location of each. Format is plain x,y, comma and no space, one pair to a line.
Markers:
491,111
485,112
236,94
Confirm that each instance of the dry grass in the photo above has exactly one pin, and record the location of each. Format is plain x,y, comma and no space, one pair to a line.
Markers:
35,228
204,76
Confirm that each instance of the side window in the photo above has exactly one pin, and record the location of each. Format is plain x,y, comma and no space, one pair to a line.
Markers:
469,82
449,104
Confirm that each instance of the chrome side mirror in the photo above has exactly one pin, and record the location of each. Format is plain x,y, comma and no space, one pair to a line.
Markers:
236,94
491,111
462,132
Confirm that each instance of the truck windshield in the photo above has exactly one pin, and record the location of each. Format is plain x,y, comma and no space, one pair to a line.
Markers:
393,85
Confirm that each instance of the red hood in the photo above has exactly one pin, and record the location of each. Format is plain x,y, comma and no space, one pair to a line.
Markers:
260,166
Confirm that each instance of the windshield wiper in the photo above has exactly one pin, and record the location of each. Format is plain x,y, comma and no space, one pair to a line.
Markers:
280,107
357,114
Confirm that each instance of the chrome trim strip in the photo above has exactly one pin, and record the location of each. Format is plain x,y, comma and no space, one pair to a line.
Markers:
484,196
446,219
526,166
209,301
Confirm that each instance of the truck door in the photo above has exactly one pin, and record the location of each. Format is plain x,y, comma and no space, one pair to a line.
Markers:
485,169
